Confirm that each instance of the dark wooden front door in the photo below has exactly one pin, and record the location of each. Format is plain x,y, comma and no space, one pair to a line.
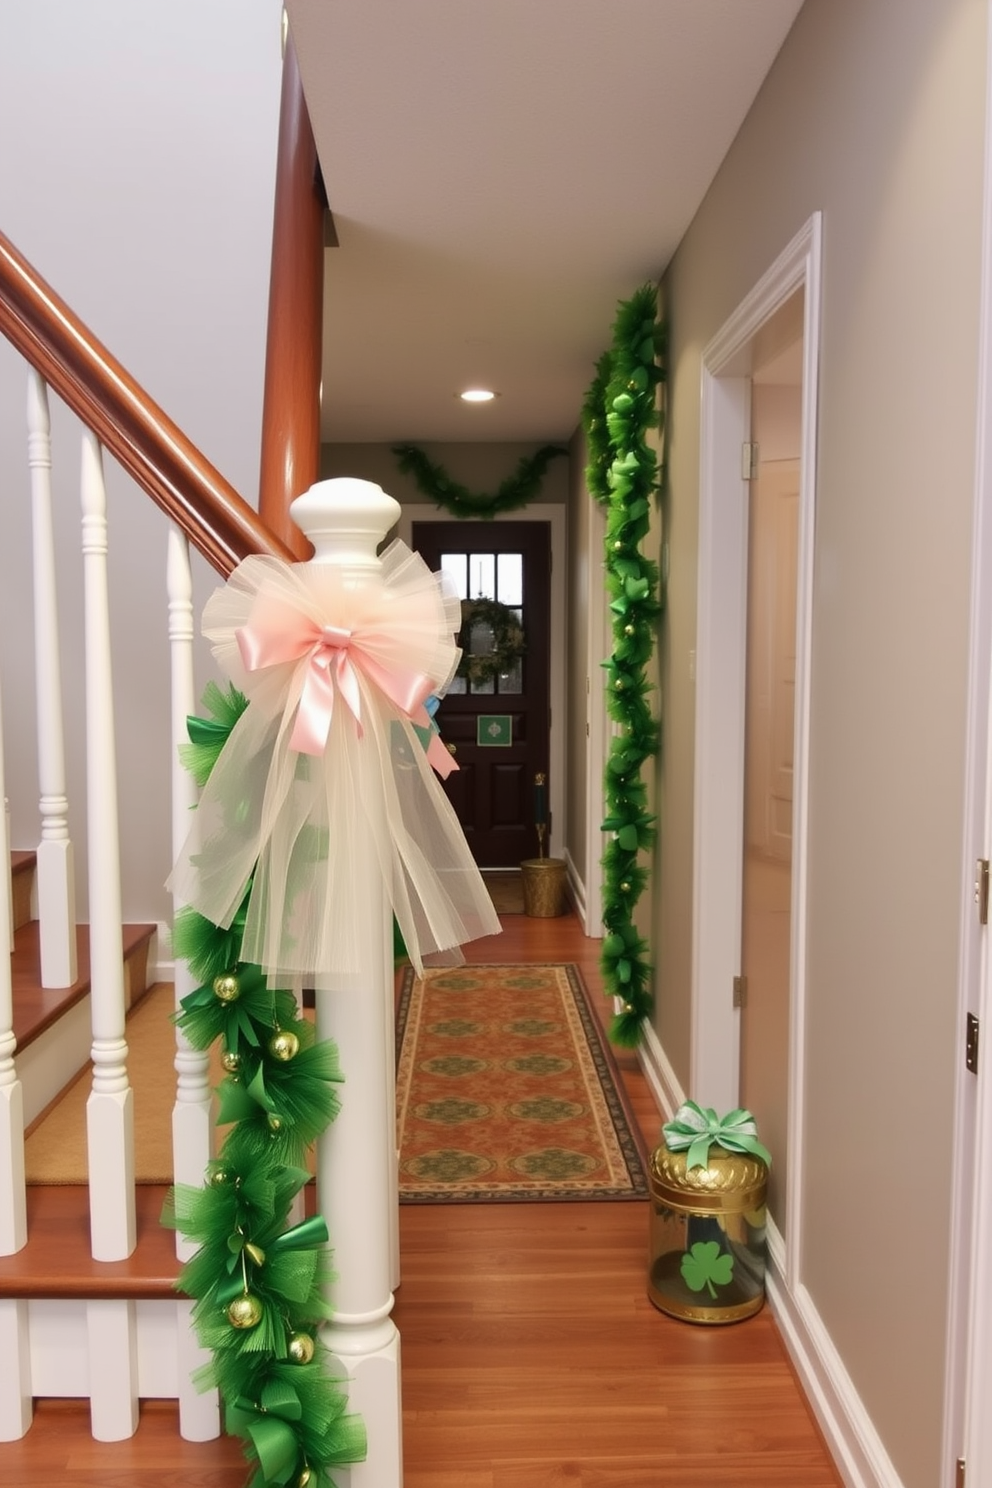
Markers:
492,790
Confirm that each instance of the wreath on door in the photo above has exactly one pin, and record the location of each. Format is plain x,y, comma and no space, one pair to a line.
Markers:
500,651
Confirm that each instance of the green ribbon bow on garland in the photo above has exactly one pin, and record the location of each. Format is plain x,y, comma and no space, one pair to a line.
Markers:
698,1128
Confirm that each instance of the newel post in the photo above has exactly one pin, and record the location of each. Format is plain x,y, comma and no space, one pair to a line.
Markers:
346,520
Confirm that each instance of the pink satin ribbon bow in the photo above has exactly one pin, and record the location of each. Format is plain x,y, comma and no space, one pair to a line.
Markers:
278,633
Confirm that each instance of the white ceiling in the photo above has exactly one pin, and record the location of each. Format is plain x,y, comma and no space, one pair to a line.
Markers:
501,173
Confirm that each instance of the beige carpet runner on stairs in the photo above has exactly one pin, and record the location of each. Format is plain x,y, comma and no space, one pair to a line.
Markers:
55,1149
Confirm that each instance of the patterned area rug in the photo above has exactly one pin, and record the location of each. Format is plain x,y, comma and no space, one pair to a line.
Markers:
506,1089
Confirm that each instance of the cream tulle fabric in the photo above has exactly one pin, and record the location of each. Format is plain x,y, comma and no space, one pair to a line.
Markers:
320,826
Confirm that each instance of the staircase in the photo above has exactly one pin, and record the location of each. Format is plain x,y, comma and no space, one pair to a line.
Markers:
87,1306
52,1024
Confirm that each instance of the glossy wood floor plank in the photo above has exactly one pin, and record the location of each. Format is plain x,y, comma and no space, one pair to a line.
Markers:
531,1355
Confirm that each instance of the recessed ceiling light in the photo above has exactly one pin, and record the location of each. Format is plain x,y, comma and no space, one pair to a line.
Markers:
478,395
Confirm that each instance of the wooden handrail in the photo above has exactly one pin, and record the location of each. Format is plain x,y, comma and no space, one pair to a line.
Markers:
151,448
290,457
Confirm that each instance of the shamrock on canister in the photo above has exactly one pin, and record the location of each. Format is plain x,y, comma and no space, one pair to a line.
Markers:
707,1239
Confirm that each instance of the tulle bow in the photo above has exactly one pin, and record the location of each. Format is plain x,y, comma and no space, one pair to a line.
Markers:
325,779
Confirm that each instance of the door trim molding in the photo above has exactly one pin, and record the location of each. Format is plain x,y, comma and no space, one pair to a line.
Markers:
553,513
968,1369
720,692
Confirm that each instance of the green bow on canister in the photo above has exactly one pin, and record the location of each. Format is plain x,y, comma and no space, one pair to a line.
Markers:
698,1128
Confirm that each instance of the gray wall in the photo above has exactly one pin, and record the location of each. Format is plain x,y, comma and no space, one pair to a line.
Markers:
873,114
137,165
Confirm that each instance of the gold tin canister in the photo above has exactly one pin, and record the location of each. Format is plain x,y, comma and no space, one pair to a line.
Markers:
544,881
707,1242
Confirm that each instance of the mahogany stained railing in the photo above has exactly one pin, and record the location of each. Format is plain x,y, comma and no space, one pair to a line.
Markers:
150,447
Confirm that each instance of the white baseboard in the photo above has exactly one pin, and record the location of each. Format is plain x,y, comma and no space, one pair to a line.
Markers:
576,887
854,1444
658,1072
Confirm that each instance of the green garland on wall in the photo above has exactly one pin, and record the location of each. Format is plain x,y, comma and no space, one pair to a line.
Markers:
622,474
434,482
257,1284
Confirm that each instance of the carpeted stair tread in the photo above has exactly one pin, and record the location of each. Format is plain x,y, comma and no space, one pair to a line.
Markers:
55,1149
56,1261
37,1008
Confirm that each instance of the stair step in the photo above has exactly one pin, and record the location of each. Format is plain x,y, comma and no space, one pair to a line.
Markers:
22,866
56,1261
60,1449
52,1024
37,1008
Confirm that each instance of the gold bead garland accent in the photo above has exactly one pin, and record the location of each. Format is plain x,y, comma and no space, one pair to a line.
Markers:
245,1312
301,1348
284,1045
226,987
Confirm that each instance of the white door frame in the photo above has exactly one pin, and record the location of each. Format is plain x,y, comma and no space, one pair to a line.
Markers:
552,512
967,1419
720,691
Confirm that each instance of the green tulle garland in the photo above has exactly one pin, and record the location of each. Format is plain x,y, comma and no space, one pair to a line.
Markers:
434,482
622,474
258,1286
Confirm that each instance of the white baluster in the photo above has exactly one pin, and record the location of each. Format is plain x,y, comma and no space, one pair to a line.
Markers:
15,1376
109,1111
356,1188
55,875
192,1117
13,1215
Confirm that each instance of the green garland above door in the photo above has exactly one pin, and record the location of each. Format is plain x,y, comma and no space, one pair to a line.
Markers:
623,475
434,482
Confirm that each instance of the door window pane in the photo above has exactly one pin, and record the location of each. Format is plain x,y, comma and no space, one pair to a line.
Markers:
510,578
482,575
512,680
456,564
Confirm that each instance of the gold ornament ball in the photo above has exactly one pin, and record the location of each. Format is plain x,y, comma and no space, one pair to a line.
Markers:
231,1061
219,1178
284,1046
617,546
625,888
245,1312
226,987
301,1348
305,1478
629,629
275,1123
619,684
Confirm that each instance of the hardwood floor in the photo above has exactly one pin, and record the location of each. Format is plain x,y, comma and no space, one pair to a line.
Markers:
531,1355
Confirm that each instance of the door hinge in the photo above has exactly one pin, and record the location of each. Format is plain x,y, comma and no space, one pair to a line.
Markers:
971,1044
959,1473
740,991
749,460
982,890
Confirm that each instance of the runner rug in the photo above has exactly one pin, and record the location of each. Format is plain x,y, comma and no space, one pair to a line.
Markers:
507,1090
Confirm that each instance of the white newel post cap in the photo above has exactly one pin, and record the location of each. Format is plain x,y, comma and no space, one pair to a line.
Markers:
345,519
